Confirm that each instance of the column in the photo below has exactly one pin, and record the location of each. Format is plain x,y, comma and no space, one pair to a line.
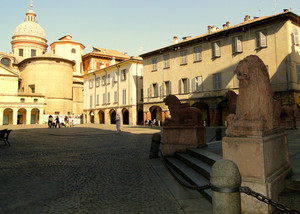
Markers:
28,116
15,116
1,116
41,115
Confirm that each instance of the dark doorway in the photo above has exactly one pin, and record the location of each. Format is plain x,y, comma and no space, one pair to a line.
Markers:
113,118
125,117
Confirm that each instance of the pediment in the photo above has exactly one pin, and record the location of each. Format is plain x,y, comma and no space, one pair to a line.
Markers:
5,71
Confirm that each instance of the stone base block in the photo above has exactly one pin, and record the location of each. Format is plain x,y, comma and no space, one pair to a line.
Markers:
263,162
179,138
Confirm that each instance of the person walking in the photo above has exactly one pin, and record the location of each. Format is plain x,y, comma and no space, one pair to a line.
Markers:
50,120
118,123
57,122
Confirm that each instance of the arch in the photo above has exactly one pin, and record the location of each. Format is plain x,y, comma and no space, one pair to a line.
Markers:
223,112
101,117
205,111
92,117
156,113
35,113
8,116
6,62
112,114
140,117
21,119
125,115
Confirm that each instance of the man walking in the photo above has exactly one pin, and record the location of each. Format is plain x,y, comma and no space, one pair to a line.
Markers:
118,123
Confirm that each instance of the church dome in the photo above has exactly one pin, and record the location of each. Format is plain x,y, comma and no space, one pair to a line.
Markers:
29,28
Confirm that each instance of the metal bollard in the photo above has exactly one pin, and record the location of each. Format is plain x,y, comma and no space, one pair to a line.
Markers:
225,179
156,138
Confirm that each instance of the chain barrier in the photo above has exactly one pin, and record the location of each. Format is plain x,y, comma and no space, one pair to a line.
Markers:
242,189
267,200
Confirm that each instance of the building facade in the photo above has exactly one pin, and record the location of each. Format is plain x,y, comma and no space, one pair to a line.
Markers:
115,89
34,83
199,70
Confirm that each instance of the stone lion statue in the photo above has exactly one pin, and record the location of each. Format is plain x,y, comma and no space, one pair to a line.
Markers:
182,114
231,98
255,100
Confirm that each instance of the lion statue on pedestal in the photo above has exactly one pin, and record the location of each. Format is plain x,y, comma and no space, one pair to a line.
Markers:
255,100
182,114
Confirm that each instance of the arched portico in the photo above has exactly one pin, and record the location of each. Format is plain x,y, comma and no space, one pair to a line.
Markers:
21,118
101,116
8,116
205,111
156,113
35,113
92,117
125,115
112,115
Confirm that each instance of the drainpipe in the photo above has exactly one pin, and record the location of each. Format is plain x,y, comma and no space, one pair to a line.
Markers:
137,94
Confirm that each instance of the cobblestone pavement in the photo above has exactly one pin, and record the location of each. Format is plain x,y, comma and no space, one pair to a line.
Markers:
84,169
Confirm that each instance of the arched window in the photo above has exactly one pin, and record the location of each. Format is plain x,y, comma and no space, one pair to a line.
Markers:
73,50
6,62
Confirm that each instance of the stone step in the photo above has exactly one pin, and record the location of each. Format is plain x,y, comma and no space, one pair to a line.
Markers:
205,156
195,163
190,175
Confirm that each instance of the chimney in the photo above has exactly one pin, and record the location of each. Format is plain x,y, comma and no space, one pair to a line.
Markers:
285,10
113,61
175,39
247,18
186,38
228,24
209,28
214,29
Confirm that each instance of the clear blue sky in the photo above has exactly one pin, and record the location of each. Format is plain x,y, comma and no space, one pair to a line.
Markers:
134,26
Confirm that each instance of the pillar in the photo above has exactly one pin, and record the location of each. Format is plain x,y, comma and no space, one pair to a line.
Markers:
41,115
1,116
15,116
28,116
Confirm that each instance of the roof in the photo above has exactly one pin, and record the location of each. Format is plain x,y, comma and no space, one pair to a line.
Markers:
109,52
133,59
251,22
47,56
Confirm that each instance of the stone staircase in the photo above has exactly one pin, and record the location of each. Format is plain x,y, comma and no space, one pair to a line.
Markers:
195,167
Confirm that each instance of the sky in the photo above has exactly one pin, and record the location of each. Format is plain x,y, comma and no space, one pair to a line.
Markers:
132,26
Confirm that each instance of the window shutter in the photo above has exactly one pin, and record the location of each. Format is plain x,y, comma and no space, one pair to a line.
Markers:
162,90
188,85
150,91
239,44
193,84
298,73
179,87
199,83
217,49
263,39
170,87
296,36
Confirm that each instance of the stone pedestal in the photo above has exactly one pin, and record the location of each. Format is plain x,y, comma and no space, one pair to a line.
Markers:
263,161
179,138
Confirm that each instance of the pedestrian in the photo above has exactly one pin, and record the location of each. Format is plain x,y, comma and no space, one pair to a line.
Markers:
57,122
118,121
50,120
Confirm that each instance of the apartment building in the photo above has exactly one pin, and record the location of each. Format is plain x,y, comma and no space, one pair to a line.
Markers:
115,89
200,70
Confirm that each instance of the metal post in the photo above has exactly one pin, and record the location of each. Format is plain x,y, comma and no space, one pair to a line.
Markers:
156,141
225,181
